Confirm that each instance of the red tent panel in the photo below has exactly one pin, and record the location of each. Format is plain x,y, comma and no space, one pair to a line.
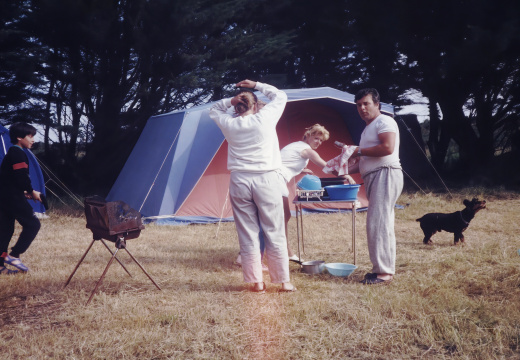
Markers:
209,196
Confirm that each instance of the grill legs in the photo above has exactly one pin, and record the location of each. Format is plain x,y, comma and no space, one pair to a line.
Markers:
142,268
102,276
120,244
79,263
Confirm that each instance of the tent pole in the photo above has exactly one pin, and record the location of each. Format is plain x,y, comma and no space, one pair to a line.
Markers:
3,145
222,213
160,168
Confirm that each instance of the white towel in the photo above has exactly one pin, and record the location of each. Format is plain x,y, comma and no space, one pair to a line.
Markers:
342,162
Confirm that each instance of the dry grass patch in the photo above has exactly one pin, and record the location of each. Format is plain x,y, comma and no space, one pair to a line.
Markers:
446,301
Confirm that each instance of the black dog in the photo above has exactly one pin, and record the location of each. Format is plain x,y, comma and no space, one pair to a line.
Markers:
455,222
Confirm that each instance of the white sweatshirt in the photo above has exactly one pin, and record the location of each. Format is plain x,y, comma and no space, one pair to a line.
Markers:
252,139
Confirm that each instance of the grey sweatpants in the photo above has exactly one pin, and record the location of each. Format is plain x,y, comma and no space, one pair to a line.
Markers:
383,187
257,204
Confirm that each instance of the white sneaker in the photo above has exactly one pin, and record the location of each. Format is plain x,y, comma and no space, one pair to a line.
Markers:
264,267
294,258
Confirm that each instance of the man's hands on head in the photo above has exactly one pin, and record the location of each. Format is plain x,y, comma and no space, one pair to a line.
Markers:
240,97
247,84
244,84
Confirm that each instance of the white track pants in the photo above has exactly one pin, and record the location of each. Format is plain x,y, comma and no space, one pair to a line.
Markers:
257,203
383,187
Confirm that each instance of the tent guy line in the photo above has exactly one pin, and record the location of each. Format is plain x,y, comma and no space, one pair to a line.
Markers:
429,162
54,179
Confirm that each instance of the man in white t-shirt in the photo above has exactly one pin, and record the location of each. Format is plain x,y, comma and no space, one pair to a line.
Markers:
381,171
255,186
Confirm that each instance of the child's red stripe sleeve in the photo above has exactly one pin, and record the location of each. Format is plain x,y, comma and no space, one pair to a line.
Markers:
21,165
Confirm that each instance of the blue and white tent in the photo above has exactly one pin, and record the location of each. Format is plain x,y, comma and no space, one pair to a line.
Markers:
35,172
178,167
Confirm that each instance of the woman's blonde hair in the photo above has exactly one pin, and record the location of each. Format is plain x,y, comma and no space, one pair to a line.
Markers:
316,129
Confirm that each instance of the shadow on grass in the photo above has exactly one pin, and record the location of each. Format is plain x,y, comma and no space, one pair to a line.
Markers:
421,246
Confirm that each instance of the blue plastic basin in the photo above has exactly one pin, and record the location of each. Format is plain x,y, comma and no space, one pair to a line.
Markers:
309,182
343,192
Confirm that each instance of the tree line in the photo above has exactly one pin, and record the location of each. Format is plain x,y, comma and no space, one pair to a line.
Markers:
91,72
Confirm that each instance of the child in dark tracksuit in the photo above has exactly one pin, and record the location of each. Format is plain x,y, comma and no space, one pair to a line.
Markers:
15,189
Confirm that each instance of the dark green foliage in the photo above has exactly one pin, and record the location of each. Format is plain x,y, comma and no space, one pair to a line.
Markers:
18,66
91,72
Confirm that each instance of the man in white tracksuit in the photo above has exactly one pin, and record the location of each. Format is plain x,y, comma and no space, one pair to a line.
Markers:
256,182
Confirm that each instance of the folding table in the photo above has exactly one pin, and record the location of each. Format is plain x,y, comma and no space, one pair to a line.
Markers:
300,205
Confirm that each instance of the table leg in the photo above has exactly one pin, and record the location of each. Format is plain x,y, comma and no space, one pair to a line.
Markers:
354,210
297,207
301,225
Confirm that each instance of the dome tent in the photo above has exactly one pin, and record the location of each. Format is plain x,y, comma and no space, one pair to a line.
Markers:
178,167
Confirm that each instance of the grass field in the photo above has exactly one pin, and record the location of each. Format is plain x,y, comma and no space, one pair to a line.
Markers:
446,302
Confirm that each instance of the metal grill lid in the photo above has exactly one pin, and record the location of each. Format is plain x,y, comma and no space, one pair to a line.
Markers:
114,217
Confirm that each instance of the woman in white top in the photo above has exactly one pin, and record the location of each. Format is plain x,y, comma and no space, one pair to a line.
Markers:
295,158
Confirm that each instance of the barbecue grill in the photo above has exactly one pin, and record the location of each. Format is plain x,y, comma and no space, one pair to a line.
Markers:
114,221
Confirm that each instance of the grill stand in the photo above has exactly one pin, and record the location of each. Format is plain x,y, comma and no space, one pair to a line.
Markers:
120,244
